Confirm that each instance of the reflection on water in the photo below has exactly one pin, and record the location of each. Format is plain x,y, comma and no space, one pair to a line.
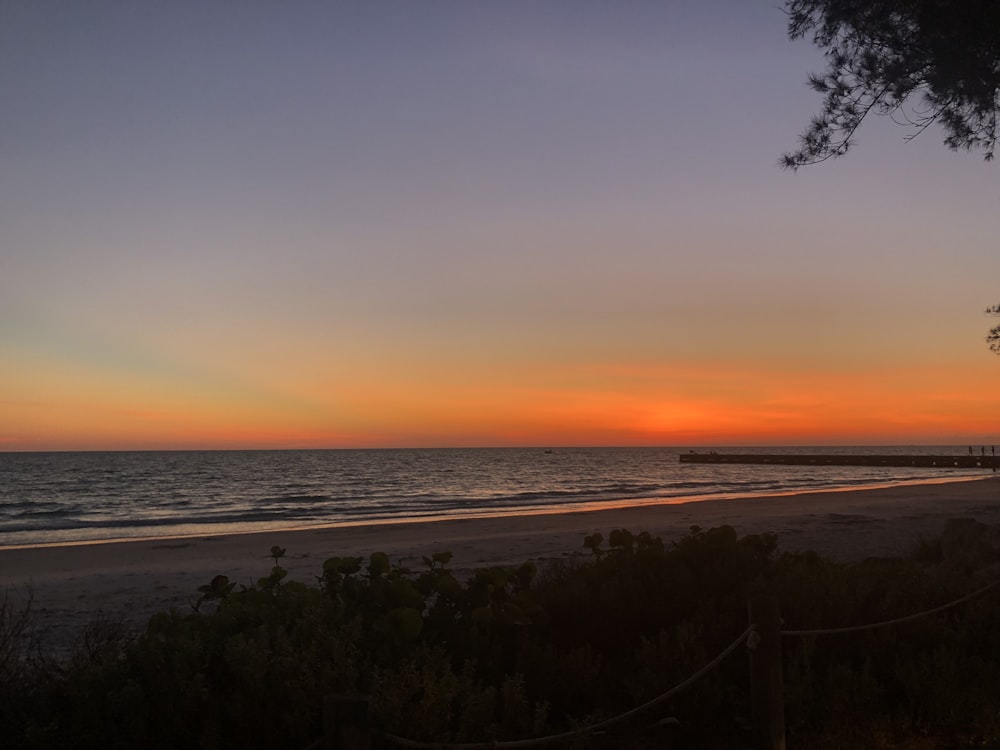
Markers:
58,497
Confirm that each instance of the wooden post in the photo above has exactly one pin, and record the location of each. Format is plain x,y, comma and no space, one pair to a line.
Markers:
766,685
345,722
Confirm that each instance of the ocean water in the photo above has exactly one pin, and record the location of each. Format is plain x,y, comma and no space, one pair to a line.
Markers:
50,498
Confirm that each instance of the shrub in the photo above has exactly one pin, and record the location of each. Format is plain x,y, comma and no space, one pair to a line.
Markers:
510,653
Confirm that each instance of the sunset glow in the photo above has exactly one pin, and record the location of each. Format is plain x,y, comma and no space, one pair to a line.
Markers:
289,226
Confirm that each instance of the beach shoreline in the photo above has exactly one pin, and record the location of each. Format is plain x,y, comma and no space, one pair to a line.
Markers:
72,584
210,531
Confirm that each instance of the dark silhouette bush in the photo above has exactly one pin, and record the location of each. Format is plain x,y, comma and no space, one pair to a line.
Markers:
511,654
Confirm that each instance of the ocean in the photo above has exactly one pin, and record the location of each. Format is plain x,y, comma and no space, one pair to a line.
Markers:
53,498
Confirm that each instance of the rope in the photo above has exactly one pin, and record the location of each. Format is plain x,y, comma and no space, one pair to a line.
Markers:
537,741
747,636
886,623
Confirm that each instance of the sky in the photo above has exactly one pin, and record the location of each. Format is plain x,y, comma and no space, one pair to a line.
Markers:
456,223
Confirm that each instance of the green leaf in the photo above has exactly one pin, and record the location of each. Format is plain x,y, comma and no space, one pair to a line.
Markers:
218,588
378,565
342,565
442,558
621,538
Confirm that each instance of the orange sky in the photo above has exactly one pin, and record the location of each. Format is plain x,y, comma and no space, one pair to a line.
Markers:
470,224
690,405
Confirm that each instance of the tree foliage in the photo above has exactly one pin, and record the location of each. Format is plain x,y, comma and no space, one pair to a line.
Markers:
918,62
993,337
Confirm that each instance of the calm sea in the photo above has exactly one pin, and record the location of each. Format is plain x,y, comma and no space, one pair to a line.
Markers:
80,497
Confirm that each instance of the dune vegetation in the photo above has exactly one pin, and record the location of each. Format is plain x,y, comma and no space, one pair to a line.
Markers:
513,652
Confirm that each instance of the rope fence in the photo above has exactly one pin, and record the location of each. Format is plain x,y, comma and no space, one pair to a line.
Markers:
346,717
896,621
591,729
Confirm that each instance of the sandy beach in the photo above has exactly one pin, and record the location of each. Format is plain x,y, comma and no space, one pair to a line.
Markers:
72,584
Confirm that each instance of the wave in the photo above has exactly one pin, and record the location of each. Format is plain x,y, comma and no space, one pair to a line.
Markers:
76,495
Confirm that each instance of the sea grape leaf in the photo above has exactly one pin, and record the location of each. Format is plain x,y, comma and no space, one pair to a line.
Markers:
342,565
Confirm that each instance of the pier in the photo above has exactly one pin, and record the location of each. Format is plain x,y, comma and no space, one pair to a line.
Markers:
840,459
